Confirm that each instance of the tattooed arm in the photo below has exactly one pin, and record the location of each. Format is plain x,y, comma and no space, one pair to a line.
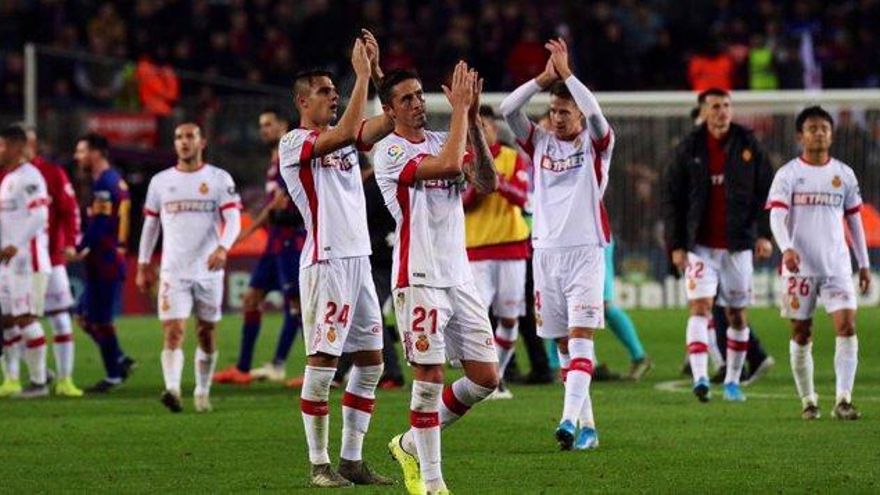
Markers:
480,170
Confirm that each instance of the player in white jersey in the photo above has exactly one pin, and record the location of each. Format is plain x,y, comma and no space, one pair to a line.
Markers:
570,228
340,308
197,209
440,313
24,260
809,197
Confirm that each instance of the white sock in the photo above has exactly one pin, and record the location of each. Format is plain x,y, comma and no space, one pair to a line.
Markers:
458,399
697,346
62,344
577,385
424,419
12,348
357,409
801,358
564,364
737,347
505,343
35,351
172,369
316,411
715,355
846,360
204,367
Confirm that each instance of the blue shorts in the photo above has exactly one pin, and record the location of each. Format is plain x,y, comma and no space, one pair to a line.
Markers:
277,272
609,274
100,301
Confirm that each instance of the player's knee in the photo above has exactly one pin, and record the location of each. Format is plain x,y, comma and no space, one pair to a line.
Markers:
428,373
736,317
322,360
701,307
562,345
488,378
368,358
801,332
173,336
846,328
24,320
252,300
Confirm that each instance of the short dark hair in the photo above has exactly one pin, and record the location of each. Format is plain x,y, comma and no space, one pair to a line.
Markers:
302,81
14,134
811,112
392,79
488,112
560,90
276,112
96,142
701,98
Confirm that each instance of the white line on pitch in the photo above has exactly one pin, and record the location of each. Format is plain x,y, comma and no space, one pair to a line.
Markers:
684,386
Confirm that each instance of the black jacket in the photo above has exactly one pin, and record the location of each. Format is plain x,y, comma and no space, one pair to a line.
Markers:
747,179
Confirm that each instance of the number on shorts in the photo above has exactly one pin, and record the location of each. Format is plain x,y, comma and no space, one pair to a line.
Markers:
698,269
421,315
331,312
794,288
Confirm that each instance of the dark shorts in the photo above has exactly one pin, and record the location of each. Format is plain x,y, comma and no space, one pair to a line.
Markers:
100,301
278,271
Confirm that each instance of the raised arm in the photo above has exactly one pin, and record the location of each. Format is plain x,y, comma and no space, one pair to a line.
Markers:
345,132
583,97
512,106
481,171
448,163
375,128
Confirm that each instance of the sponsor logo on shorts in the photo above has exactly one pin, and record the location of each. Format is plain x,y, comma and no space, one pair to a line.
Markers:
166,306
538,320
422,344
489,343
843,296
317,339
376,330
692,284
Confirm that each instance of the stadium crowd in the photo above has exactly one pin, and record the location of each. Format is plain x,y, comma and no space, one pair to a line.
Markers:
625,45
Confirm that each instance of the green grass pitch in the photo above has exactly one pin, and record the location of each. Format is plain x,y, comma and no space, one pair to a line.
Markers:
651,440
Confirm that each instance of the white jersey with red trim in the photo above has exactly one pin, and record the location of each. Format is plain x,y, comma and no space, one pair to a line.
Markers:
817,199
329,193
570,178
23,192
189,206
430,247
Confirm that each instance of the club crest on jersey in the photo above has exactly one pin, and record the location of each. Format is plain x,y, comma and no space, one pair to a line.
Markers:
395,151
836,182
203,188
422,344
564,164
747,155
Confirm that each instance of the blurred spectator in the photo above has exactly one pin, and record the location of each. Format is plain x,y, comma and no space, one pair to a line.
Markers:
527,58
621,45
711,68
99,81
158,86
